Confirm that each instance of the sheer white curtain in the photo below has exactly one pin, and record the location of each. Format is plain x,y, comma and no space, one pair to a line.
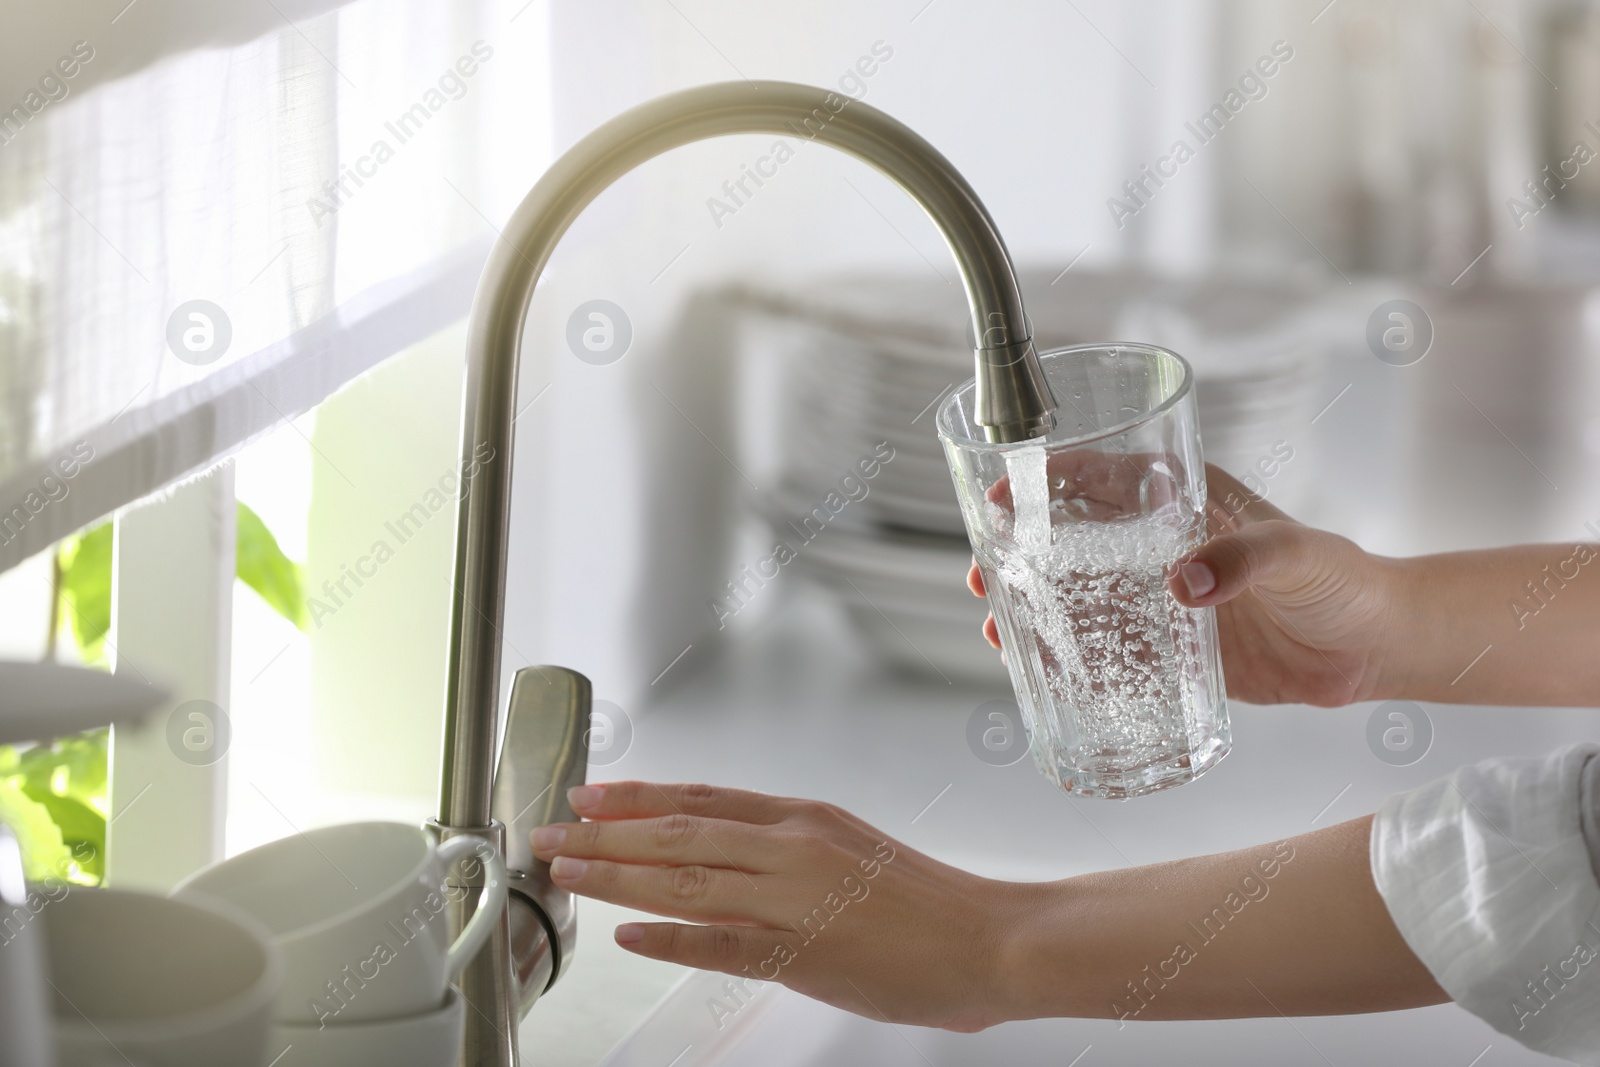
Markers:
324,184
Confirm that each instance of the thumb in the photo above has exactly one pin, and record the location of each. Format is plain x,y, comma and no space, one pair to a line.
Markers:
1267,554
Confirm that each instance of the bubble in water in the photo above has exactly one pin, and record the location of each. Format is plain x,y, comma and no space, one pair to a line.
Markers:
1119,664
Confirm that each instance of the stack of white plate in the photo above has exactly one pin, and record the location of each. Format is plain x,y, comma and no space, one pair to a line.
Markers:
853,369
854,397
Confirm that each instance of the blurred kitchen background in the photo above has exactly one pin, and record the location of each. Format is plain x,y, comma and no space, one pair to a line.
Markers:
760,338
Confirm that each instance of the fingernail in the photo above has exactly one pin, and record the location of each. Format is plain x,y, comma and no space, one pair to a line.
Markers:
629,934
548,838
566,868
1198,579
584,797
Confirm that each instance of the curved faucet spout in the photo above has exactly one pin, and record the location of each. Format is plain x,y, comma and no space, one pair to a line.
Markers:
1013,401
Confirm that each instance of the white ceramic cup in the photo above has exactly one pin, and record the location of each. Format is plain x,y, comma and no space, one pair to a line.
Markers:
361,915
141,979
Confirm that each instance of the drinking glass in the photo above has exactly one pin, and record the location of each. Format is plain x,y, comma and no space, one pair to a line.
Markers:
1076,535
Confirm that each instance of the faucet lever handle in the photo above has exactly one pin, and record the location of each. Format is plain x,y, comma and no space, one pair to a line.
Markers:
543,755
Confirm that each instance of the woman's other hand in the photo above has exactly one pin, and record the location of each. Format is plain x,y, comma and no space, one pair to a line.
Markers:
792,891
1304,616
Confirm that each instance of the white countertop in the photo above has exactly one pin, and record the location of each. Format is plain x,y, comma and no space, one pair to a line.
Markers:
794,707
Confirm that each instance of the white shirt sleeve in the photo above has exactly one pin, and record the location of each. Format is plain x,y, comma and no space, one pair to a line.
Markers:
1492,882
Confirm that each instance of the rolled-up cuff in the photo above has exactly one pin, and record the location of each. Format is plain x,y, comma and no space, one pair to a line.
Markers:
1488,876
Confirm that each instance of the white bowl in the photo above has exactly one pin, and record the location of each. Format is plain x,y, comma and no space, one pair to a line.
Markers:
160,983
429,1040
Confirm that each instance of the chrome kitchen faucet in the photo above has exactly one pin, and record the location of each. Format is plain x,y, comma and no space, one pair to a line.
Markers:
543,752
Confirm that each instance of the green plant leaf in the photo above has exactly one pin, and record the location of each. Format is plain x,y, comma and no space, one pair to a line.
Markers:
67,777
263,567
86,589
71,767
83,833
44,853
